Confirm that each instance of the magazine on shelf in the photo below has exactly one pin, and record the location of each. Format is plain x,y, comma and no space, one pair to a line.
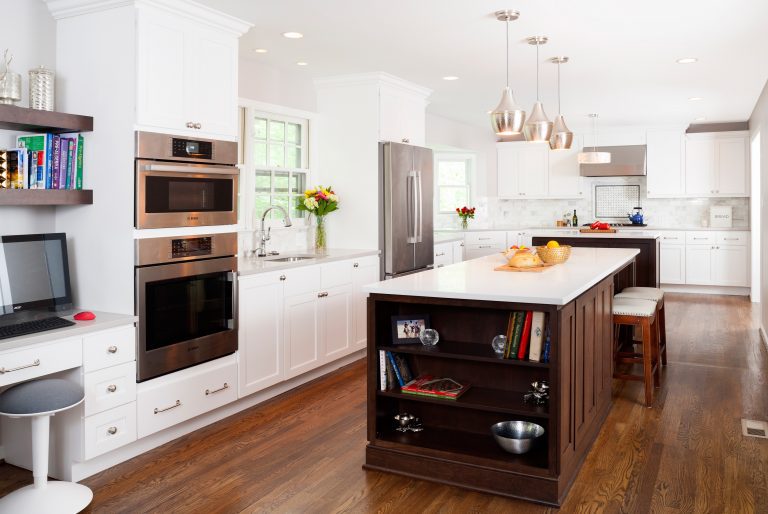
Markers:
435,387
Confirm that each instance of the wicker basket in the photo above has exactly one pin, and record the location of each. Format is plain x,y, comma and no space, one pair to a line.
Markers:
554,255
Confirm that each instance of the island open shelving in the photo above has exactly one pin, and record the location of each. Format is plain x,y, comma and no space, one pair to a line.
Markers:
22,119
456,446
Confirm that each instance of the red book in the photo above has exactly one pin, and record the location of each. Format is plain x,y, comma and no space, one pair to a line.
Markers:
526,335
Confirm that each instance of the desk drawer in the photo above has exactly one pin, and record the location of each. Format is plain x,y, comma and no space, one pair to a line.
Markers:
109,430
109,348
39,360
110,387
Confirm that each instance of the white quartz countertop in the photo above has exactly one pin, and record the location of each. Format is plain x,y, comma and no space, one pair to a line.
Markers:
103,321
253,265
619,234
448,237
476,279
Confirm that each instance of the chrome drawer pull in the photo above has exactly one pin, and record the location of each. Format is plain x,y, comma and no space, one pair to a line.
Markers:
282,277
112,349
112,388
439,254
177,404
36,363
208,391
356,265
112,430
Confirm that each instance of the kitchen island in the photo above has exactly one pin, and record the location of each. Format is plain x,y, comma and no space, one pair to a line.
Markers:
468,304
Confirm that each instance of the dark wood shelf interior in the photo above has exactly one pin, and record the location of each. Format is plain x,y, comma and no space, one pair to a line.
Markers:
464,351
31,197
480,398
474,448
13,117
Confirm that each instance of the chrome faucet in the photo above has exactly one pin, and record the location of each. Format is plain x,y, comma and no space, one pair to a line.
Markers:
264,236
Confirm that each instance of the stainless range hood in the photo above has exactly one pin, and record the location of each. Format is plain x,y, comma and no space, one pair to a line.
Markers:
626,161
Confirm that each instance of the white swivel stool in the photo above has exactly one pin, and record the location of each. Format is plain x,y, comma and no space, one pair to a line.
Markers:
39,400
653,294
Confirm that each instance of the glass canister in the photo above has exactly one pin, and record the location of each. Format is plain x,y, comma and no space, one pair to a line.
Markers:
10,82
41,88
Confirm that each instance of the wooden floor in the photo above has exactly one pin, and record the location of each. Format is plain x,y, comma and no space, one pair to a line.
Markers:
303,452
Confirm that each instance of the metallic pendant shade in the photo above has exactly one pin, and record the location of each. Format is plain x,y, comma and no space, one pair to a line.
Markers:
594,157
507,118
562,137
538,127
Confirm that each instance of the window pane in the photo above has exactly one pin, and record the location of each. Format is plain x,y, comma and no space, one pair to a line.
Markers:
294,202
277,155
263,181
281,182
451,173
293,133
276,130
293,157
282,201
261,204
260,128
452,197
260,154
298,182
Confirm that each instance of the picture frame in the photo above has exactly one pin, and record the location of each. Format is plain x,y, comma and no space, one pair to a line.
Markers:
407,328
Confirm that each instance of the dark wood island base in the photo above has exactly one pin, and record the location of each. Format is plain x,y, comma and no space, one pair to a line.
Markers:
456,446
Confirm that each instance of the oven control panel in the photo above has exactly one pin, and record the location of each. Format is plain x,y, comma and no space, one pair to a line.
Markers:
191,148
166,250
191,247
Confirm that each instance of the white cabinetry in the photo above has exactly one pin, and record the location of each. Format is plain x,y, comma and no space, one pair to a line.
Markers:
186,76
665,163
458,251
717,258
672,258
487,242
401,115
716,164
449,252
301,333
565,179
523,170
519,238
365,270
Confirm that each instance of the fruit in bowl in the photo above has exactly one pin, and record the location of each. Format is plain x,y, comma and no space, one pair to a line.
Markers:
554,255
553,244
525,259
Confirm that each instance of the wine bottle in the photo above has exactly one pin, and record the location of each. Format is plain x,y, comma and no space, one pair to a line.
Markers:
575,222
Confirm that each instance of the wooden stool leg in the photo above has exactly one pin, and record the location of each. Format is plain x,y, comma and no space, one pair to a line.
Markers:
647,361
663,330
656,352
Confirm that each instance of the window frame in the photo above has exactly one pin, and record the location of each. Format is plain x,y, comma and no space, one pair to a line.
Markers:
447,156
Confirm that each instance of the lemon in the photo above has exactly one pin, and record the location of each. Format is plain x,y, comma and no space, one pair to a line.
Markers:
553,244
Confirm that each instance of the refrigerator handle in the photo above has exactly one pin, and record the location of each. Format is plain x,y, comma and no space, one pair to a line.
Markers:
420,226
413,207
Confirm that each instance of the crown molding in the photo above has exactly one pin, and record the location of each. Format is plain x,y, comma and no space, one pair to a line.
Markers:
373,79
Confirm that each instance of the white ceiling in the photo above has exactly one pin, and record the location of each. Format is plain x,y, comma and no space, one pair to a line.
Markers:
622,53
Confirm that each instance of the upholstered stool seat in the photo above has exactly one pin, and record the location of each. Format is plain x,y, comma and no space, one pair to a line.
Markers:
39,400
644,293
656,295
641,313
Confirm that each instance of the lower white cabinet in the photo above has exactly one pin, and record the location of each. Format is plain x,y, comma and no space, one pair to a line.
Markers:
716,259
336,322
443,255
458,251
480,244
698,264
301,337
672,265
730,266
364,271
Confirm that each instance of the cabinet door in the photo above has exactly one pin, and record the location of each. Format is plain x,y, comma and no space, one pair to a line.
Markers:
260,333
672,265
336,322
160,76
458,251
533,170
564,175
698,264
301,334
508,170
366,272
699,167
413,119
210,82
666,168
731,167
443,254
730,266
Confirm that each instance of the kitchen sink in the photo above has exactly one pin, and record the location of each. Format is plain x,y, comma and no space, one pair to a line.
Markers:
292,258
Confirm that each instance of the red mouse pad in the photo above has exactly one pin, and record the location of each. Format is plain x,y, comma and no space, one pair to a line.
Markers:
84,316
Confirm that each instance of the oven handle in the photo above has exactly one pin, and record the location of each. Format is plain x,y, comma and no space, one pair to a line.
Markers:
232,322
218,170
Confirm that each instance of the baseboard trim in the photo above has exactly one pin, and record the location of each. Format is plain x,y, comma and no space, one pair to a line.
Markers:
763,336
726,290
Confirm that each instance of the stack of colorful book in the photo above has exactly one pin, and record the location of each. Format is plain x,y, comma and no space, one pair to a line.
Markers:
527,337
43,161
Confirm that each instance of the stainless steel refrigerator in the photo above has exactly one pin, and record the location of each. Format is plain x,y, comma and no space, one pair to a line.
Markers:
405,217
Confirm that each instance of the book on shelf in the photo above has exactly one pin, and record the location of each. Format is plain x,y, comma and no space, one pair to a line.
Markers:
517,333
435,387
510,326
382,370
537,337
521,353
47,161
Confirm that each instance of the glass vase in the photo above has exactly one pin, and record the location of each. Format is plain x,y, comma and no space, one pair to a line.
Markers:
320,237
464,223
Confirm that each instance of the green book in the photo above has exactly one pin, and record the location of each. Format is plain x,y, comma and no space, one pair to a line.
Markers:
510,329
517,334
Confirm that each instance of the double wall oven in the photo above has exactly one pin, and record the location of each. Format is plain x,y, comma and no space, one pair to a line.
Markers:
185,284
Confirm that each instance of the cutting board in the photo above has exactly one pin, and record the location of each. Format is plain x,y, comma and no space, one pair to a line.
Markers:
534,269
593,231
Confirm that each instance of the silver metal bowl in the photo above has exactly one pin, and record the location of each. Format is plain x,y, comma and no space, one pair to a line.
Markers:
516,436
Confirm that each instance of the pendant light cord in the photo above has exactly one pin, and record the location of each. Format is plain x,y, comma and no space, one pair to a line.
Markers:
537,72
558,89
507,25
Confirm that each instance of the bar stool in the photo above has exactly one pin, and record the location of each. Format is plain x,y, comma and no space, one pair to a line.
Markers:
642,313
39,400
656,295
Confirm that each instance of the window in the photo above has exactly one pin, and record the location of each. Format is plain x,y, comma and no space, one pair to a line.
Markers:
452,182
276,164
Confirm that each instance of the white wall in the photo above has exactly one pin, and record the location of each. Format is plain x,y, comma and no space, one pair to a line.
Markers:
758,122
31,38
258,81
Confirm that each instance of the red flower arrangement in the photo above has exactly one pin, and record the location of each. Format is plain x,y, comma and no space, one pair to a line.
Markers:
466,214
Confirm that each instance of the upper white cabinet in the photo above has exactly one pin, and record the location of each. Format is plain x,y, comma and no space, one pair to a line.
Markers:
665,163
523,170
564,174
717,164
186,76
402,115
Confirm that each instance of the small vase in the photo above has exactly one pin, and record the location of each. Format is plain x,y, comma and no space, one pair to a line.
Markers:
320,240
464,223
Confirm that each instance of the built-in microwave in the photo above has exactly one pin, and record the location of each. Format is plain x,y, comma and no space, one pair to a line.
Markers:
184,182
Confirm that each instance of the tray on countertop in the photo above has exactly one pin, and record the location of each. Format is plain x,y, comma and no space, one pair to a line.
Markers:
597,231
534,269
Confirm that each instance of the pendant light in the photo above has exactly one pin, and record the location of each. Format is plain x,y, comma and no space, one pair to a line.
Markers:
594,157
538,127
507,118
562,137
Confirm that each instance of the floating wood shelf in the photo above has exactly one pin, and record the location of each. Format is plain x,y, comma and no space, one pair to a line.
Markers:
46,196
13,117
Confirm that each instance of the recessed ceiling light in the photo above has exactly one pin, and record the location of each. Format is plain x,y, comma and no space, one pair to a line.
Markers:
302,63
451,77
293,35
687,60
695,98
260,50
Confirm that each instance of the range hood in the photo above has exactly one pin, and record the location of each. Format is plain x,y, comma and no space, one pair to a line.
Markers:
626,161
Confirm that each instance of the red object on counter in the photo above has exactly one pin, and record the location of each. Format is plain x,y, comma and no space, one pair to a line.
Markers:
84,316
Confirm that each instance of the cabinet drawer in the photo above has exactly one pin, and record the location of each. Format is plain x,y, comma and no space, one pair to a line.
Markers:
443,254
169,400
21,365
494,238
109,348
110,387
301,280
109,430
732,238
672,237
700,238
335,274
260,279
